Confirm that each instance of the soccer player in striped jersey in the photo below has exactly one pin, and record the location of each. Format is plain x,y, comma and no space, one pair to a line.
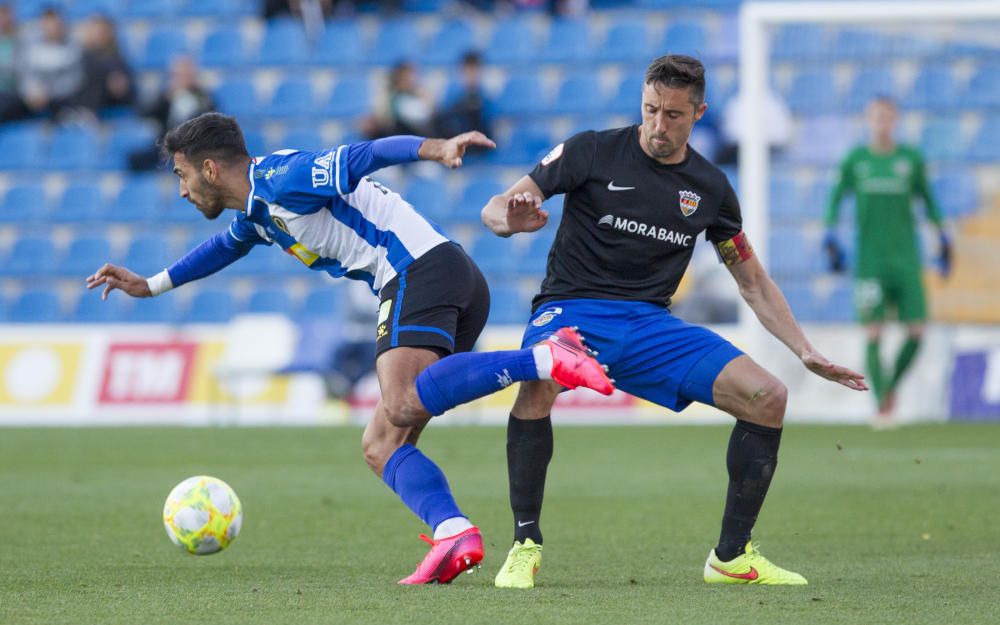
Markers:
323,210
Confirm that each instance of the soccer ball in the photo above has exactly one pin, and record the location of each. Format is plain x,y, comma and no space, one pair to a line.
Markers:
202,515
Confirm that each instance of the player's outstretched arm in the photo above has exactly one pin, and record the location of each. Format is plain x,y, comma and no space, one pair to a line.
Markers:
113,277
769,304
449,152
518,209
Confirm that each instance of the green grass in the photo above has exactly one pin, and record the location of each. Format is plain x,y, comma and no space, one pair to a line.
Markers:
894,527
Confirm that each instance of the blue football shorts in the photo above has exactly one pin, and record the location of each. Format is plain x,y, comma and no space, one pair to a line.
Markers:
651,353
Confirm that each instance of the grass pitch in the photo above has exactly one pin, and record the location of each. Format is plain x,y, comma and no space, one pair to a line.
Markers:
893,527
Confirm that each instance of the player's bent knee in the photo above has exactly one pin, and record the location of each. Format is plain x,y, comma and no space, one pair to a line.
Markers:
405,411
767,406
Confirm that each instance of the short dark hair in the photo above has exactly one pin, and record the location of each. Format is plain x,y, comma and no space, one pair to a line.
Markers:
678,71
885,98
472,57
210,135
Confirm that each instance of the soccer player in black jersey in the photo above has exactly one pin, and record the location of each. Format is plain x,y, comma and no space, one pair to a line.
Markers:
636,200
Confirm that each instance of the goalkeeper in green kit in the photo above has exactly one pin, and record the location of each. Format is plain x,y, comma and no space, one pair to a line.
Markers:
884,176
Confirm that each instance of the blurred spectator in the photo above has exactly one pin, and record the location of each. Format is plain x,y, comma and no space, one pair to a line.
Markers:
51,68
183,98
405,110
107,77
778,130
464,106
11,106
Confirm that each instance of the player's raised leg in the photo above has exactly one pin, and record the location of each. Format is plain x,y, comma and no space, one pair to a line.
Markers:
390,451
757,399
461,378
529,450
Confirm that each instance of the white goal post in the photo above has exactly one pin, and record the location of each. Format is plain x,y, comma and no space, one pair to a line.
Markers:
755,18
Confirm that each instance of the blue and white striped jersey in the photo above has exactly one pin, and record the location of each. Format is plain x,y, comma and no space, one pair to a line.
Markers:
322,209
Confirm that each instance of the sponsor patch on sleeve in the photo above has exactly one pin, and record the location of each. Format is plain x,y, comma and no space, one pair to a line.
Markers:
735,250
553,155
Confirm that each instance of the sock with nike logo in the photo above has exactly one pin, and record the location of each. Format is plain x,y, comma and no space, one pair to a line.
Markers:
529,450
751,460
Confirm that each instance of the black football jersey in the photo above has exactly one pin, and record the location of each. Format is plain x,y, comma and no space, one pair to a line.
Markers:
629,223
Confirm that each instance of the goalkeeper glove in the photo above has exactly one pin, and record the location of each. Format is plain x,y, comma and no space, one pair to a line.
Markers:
944,254
835,257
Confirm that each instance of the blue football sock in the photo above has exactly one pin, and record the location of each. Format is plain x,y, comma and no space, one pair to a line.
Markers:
421,485
460,378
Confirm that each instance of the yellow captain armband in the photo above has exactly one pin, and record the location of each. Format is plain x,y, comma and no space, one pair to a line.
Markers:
735,250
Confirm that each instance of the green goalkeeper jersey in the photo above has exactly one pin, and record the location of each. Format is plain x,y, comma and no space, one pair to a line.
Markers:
883,185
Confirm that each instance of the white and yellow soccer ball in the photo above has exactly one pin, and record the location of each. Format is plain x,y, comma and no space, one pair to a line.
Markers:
202,515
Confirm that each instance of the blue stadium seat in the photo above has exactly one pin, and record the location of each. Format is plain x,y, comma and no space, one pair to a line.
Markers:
149,9
306,139
857,45
223,47
869,83
163,43
793,255
351,97
477,192
515,40
785,202
80,203
801,298
823,140
685,37
21,146
341,43
835,305
570,40
293,99
24,203
84,256
147,255
985,146
264,260
211,306
90,308
124,137
218,9
178,210
627,41
73,148
957,193
256,142
983,90
30,257
79,9
508,304
324,302
236,96
628,96
397,40
446,46
496,255
430,197
424,6
522,95
578,94
934,89
527,143
35,306
724,47
532,261
270,300
154,310
941,139
813,92
139,200
801,42
284,43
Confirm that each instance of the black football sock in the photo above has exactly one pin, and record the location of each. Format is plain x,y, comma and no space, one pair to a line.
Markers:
529,450
751,460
